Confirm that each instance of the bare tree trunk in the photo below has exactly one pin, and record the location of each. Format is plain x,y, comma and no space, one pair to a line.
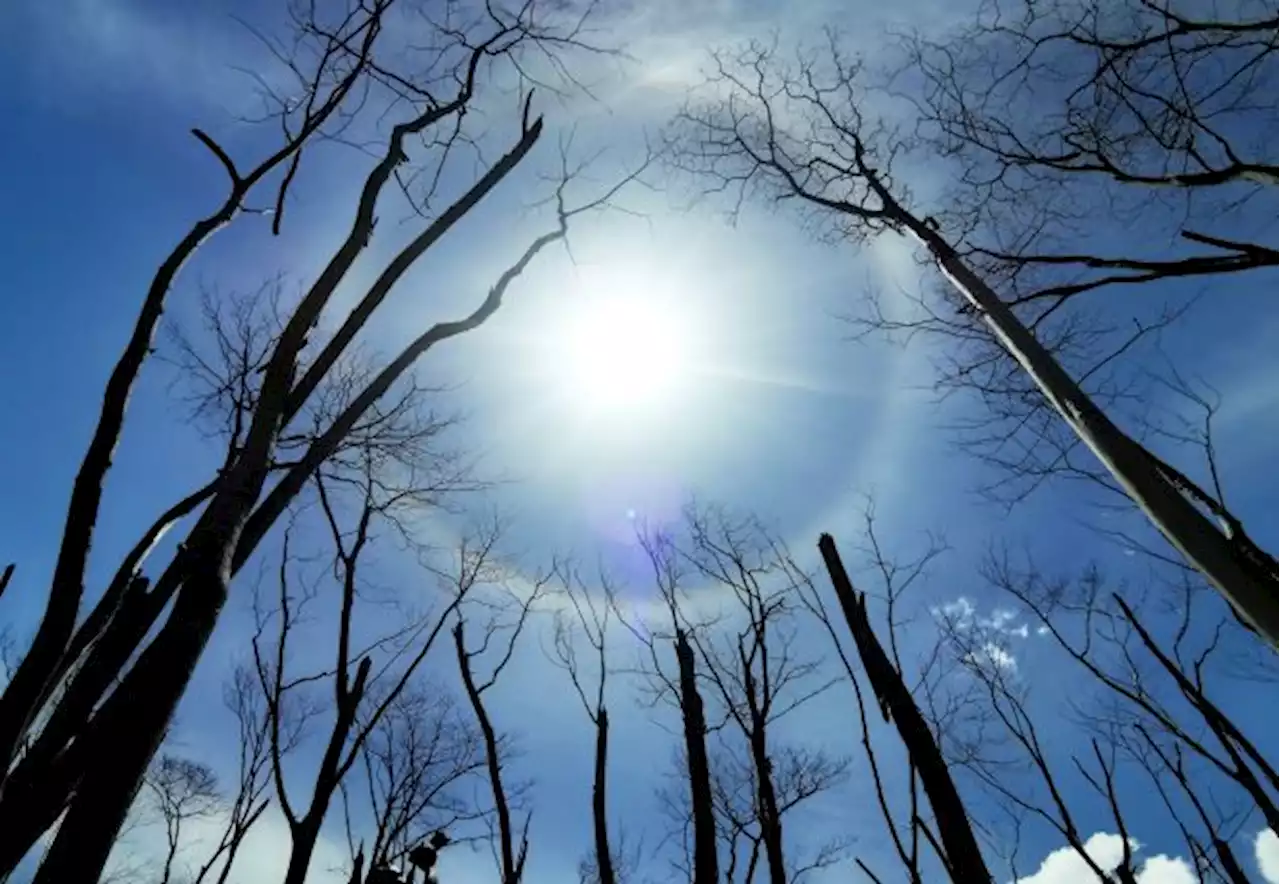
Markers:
599,806
216,550
963,856
705,860
34,678
766,795
132,728
1189,531
306,831
512,860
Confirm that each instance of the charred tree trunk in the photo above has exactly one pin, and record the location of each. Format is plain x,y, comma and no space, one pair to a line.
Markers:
705,860
599,804
512,861
963,857
306,831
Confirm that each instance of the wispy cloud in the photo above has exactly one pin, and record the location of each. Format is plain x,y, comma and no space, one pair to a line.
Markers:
264,856
127,48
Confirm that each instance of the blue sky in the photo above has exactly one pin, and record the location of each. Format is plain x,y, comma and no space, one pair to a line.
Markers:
782,415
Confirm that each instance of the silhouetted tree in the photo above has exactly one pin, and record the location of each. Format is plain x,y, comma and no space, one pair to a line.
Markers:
585,617
180,790
111,725
508,614
801,134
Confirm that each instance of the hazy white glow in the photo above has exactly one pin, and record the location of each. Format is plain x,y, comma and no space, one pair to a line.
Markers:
621,351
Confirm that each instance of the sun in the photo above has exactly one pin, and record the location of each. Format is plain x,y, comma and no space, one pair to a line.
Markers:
622,351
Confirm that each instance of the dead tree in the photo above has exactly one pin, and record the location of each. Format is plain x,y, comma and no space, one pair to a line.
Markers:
653,630
1210,775
740,671
911,834
837,165
362,694
179,791
508,618
1065,125
414,776
958,847
328,70
1134,104
693,718
758,673
117,727
589,622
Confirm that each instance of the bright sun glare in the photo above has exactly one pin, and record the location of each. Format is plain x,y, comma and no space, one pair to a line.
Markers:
622,352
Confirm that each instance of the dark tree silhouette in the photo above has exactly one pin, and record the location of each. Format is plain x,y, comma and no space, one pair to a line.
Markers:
95,759
841,168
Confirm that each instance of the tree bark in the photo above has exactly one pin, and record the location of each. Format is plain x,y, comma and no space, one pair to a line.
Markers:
306,831
512,863
1187,530
963,856
766,795
130,728
599,805
705,859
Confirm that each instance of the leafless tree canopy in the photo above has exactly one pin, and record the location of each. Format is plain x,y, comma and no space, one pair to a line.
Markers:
369,678
1071,128
286,405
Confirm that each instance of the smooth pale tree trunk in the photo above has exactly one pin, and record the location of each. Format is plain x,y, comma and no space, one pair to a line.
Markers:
1184,526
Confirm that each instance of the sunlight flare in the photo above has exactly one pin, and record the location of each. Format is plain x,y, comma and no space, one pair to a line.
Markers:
623,343
621,351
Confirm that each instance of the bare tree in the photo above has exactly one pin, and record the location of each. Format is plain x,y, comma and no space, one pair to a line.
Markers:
507,619
800,134
371,668
589,622
181,790
1067,124
732,606
242,696
758,672
1154,702
415,775
693,798
327,71
100,754
1128,110
955,842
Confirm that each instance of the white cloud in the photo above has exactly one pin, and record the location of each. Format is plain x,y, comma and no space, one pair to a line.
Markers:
1266,849
1066,866
993,631
991,654
960,611
1162,869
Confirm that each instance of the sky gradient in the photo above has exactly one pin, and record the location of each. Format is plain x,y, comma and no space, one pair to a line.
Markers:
782,414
